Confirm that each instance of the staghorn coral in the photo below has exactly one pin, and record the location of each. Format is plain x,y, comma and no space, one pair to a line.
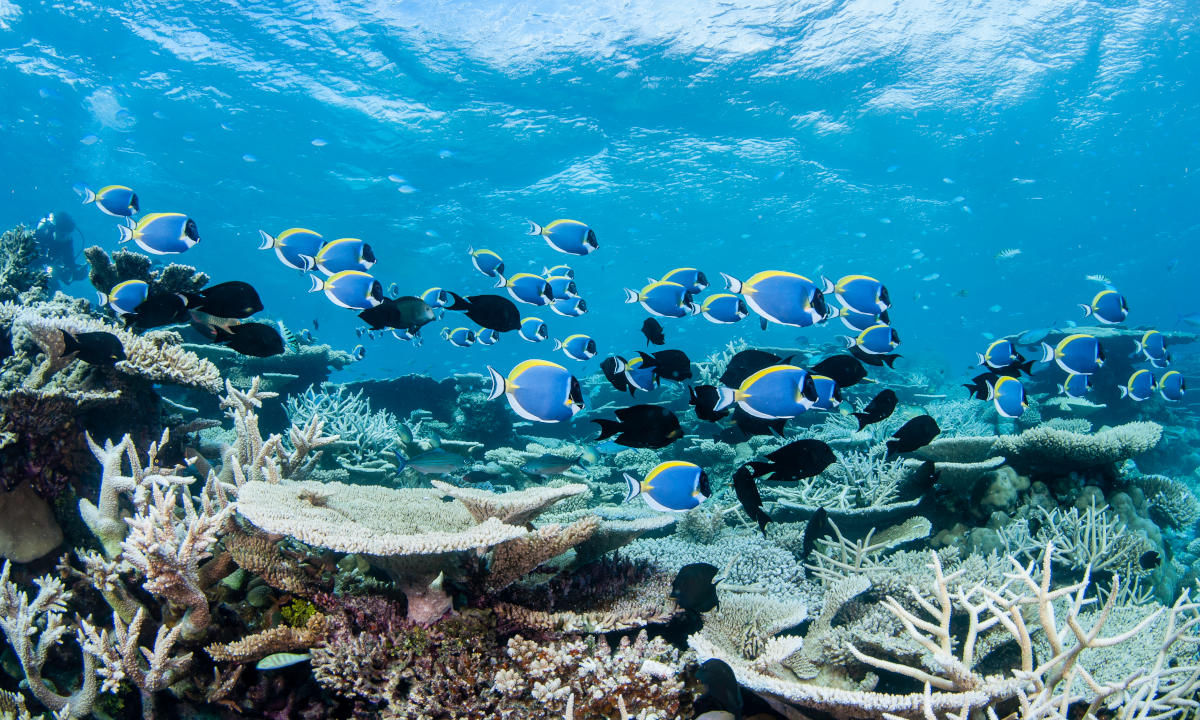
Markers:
363,436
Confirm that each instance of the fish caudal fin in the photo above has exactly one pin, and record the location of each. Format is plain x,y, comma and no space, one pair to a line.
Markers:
1087,309
317,284
890,360
632,487
732,284
268,240
101,298
1124,392
982,359
307,262
498,383
460,303
557,344
725,398
827,285
87,194
500,282
631,296
1047,352
70,344
126,233
534,228
401,461
758,469
608,428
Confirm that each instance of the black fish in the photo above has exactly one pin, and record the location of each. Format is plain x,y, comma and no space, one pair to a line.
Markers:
642,426
403,313
478,476
880,408
923,480
489,311
1035,526
814,530
978,387
747,494
795,461
614,371
6,348
233,299
1017,366
1150,560
693,587
876,360
255,339
751,425
704,398
914,434
668,364
94,348
845,370
721,690
156,311
745,364
653,331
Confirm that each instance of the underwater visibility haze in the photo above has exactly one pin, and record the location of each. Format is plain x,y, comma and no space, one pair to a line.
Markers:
607,360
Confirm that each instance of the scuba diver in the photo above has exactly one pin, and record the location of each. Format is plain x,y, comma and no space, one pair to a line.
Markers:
55,237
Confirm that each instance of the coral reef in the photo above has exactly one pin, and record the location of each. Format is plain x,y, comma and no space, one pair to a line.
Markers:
22,279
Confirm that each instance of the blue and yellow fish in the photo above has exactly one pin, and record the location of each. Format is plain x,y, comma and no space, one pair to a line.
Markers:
829,395
773,393
539,390
782,297
487,262
999,355
674,486
858,322
161,233
459,337
407,334
1140,385
638,377
295,247
1076,385
1108,307
664,299
876,340
436,297
487,336
115,200
558,270
124,297
569,307
527,288
694,280
1078,353
1153,345
344,254
724,308
1172,386
577,347
567,236
1008,395
562,287
860,293
350,289
533,330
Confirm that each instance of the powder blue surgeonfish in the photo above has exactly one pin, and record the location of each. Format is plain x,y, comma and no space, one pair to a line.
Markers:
562,287
1008,395
1153,346
569,307
533,330
782,297
539,390
773,393
527,288
558,270
487,336
875,340
344,254
161,233
691,278
295,247
674,486
124,297
436,297
858,322
115,200
1108,307
1076,385
1078,353
639,377
1172,386
724,308
459,337
664,299
1140,386
577,347
350,289
1000,354
829,396
567,236
486,262
860,293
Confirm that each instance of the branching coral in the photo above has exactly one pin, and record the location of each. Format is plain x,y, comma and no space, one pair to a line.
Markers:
364,436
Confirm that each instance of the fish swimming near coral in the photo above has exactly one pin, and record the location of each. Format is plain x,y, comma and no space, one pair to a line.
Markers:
913,435
254,339
653,330
115,200
775,392
402,313
880,408
664,299
614,371
431,462
782,297
673,486
156,311
549,465
704,399
845,370
641,426
746,363
488,311
722,694
1140,386
94,348
569,307
577,347
486,261
343,254
533,330
693,587
234,299
724,308
888,359
1108,307
539,390
668,364
351,289
795,461
295,247
816,528
747,494
161,233
125,297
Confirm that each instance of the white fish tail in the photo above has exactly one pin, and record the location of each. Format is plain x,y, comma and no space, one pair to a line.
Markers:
991,391
126,233
827,285
268,240
848,340
101,298
982,360
500,281
309,261
317,284
1087,309
1062,389
498,383
725,397
557,344
88,195
1124,391
731,283
1047,352
534,228
631,296
632,487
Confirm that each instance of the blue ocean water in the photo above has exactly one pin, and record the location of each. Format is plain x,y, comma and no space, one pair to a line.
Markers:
912,141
